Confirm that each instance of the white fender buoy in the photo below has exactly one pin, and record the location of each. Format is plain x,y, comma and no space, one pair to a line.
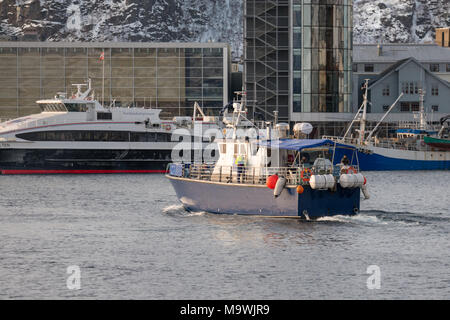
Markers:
279,187
351,180
365,192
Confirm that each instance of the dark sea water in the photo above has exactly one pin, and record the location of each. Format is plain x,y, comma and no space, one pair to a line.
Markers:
132,240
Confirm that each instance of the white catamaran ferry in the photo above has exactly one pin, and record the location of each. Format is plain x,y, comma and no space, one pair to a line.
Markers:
77,134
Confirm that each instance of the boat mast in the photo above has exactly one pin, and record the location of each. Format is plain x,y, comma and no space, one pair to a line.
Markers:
362,128
423,117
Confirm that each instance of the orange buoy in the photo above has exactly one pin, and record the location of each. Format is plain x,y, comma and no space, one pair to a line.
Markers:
272,181
300,189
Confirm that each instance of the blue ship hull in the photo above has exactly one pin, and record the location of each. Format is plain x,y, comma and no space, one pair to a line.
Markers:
378,162
243,199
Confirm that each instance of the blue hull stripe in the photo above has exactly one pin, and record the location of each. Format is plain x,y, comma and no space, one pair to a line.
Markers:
377,162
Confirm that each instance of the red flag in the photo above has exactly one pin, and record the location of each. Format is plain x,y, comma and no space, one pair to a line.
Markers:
102,56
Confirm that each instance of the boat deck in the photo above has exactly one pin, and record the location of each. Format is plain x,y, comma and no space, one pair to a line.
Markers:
253,175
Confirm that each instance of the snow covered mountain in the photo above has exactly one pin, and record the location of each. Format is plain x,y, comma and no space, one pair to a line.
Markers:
399,20
200,20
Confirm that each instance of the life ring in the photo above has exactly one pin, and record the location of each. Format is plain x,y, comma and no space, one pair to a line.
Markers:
167,127
308,176
350,170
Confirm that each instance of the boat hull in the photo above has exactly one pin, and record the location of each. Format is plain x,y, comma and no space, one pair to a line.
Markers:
72,161
442,144
242,199
383,159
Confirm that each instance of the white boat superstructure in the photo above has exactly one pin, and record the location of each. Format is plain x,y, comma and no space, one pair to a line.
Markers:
78,133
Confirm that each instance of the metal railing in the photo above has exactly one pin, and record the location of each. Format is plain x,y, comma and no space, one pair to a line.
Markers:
385,143
251,175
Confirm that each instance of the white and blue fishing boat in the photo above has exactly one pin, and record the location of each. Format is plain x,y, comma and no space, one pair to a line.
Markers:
411,149
272,177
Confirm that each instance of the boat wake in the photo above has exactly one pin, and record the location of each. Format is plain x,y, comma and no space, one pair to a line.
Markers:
361,218
179,210
417,218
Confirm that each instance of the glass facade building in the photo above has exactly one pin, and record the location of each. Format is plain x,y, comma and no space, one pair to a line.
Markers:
170,76
310,68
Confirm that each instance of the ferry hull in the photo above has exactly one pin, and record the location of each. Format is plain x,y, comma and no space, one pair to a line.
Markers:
23,161
382,159
239,199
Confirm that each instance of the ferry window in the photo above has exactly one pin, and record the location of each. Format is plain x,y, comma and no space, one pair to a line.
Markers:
435,108
104,116
447,67
104,136
386,90
236,146
223,148
385,107
415,106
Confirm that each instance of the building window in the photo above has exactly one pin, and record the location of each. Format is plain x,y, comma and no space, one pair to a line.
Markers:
404,107
434,67
435,90
369,68
416,88
435,108
297,106
386,90
411,87
405,87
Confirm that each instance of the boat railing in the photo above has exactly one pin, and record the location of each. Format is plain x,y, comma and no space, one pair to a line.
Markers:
253,175
379,143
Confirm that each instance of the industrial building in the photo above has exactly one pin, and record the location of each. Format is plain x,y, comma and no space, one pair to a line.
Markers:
170,76
298,60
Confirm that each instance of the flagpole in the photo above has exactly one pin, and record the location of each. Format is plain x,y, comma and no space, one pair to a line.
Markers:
103,80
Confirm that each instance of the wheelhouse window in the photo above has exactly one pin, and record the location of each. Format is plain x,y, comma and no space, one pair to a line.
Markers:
52,107
76,107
